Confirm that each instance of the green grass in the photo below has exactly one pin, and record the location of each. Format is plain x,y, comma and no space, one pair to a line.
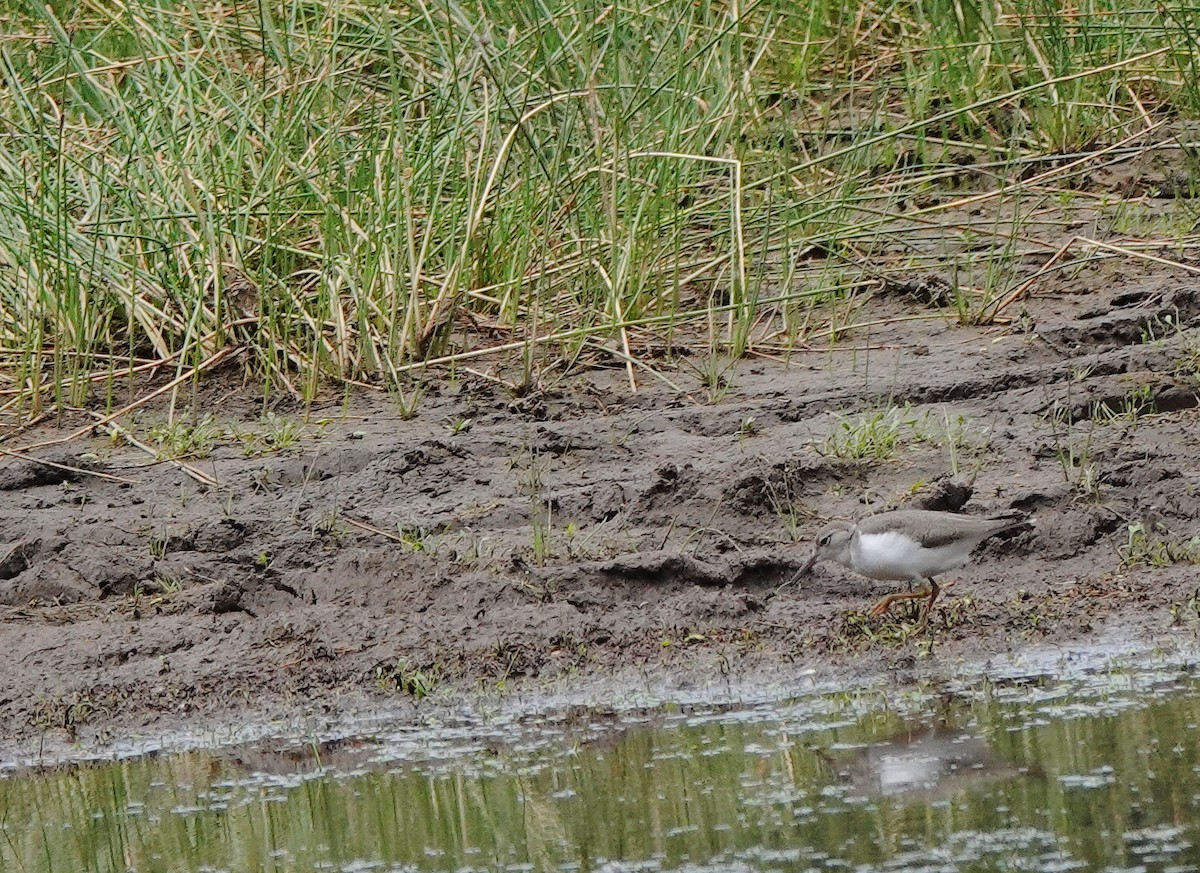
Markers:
184,439
1155,547
180,438
881,433
353,189
877,434
406,678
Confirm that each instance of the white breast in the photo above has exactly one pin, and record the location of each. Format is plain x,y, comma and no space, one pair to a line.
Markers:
892,555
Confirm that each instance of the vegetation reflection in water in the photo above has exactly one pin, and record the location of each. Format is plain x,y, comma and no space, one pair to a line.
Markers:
1025,779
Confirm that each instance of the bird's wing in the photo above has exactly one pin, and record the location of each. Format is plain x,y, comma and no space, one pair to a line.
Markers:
934,529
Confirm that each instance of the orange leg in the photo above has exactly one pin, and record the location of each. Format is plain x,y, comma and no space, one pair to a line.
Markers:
931,592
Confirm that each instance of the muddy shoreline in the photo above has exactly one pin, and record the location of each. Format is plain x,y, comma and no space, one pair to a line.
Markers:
500,541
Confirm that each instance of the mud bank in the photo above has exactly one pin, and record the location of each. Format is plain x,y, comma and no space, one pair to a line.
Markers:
498,540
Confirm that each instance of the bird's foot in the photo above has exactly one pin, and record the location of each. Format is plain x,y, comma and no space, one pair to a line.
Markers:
886,603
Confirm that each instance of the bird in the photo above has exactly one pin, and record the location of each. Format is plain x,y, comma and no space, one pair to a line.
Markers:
912,545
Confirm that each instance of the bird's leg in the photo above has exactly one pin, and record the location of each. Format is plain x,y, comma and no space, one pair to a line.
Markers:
933,595
886,603
931,592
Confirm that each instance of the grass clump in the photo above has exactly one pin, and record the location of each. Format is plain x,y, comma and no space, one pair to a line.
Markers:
184,439
406,678
881,433
1155,547
1126,409
1187,364
869,435
274,433
180,438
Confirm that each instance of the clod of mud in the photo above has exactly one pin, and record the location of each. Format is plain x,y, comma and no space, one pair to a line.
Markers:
672,568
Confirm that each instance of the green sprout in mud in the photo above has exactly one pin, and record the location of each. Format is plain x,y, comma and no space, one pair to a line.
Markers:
1187,364
956,434
880,434
1154,547
1079,469
415,538
715,375
1157,328
869,435
1075,457
273,434
792,518
281,433
182,439
330,525
1189,607
404,677
168,584
1127,409
407,402
989,272
540,547
534,466
158,545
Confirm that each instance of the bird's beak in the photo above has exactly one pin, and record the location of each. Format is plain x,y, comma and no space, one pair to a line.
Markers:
808,564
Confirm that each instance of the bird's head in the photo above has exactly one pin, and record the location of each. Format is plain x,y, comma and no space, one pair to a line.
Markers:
832,544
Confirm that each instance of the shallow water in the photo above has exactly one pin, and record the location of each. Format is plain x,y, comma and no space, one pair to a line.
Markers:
1098,771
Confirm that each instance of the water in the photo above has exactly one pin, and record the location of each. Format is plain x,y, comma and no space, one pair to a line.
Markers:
1095,771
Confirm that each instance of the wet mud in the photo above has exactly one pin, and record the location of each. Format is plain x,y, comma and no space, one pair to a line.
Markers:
500,538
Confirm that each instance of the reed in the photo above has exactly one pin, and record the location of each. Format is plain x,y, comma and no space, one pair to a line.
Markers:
347,191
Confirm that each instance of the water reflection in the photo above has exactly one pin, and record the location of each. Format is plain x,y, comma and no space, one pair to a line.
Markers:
933,761
1038,780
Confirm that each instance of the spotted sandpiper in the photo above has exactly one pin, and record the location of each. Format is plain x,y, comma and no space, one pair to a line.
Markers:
907,545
